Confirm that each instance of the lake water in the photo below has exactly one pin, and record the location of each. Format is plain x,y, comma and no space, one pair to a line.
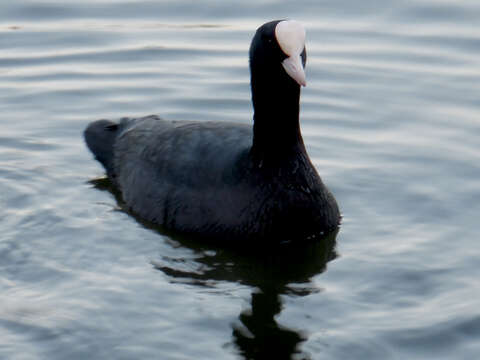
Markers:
391,120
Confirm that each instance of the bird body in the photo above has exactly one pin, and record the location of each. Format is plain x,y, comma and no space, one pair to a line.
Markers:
223,181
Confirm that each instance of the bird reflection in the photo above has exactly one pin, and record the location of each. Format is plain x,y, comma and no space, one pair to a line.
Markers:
285,269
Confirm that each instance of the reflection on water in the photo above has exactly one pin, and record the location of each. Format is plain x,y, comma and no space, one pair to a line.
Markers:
282,270
270,274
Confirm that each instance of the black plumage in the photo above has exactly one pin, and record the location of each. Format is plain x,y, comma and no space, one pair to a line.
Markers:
218,180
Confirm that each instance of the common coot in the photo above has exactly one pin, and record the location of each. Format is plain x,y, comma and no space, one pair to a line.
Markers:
222,181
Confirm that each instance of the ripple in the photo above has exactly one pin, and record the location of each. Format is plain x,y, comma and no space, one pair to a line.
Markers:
389,117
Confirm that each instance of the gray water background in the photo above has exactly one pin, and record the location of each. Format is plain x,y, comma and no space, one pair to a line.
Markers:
390,118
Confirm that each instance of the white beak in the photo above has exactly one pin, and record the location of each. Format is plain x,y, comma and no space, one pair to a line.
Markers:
293,66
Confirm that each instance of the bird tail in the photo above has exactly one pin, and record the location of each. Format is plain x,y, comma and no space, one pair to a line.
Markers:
100,137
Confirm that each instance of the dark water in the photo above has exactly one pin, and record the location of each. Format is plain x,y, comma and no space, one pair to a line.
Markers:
390,116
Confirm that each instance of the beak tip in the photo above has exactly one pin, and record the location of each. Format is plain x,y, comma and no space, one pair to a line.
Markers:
301,80
294,68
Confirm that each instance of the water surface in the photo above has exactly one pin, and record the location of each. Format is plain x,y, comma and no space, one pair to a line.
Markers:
390,118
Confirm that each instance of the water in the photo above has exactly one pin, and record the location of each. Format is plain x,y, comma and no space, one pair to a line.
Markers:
390,117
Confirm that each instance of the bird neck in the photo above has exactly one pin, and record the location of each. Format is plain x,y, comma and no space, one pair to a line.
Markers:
276,128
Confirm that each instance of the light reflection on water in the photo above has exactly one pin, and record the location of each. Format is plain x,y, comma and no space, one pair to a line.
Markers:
390,119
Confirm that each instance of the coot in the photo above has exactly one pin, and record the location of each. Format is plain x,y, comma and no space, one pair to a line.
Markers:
222,181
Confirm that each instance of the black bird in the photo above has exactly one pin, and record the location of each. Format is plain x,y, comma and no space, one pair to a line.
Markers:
221,181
